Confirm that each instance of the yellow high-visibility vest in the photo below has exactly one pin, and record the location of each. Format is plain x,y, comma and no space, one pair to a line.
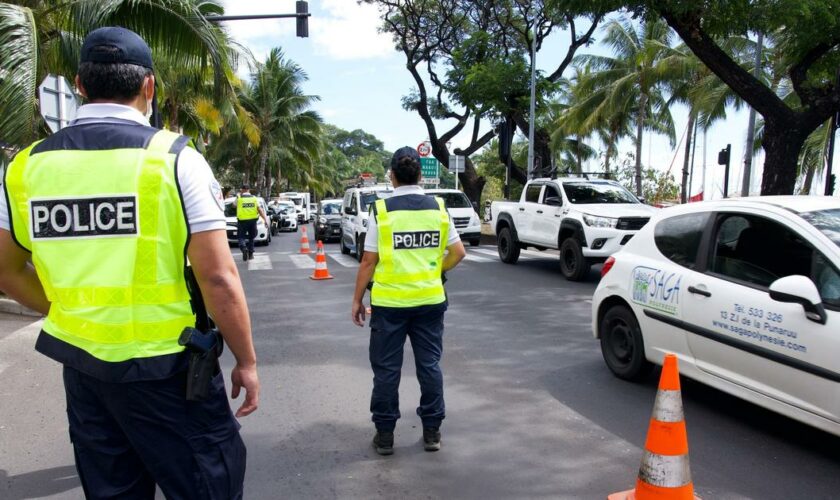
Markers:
108,235
246,207
411,246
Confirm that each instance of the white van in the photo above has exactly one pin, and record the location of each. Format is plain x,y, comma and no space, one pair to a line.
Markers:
354,216
462,212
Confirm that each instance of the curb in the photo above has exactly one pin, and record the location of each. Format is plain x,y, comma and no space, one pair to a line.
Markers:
9,306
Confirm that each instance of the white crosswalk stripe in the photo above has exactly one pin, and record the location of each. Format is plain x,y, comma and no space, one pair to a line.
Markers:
484,251
550,254
475,258
259,262
302,261
344,260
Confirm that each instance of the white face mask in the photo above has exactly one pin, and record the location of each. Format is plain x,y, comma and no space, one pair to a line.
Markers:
148,113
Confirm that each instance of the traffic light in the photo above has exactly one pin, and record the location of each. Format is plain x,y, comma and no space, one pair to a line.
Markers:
302,11
723,155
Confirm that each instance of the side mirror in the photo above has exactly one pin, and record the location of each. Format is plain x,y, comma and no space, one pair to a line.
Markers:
800,290
553,201
348,210
641,199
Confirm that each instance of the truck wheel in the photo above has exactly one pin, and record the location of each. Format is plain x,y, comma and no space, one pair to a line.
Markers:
360,246
622,344
508,249
573,264
344,249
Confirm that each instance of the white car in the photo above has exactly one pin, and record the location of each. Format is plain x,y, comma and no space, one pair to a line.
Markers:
462,212
283,215
354,218
263,233
745,292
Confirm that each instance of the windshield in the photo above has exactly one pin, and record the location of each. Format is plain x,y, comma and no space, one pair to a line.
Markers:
827,221
297,201
454,200
331,208
586,193
368,198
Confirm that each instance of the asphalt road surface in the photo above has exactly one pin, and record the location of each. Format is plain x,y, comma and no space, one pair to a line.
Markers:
532,410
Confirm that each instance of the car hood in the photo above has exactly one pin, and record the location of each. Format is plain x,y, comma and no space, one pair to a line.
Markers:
460,212
617,209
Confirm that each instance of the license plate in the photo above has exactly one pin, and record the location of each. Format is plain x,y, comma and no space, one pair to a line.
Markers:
233,233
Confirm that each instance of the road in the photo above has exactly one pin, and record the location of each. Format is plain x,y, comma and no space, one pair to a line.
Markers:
532,410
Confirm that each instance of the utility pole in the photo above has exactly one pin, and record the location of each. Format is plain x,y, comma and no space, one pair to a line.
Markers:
748,152
533,103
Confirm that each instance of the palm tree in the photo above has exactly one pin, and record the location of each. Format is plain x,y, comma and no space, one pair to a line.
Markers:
288,135
631,83
38,37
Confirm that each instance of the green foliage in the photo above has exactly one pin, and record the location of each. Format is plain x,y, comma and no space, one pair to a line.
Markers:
657,186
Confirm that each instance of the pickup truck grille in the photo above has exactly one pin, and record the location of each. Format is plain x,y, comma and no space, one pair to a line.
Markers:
632,223
335,224
461,222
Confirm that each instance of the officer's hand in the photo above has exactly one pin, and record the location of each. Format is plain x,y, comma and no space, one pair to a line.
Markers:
358,313
245,377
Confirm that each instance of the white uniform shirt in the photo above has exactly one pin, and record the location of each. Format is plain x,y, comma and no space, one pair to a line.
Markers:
372,237
203,197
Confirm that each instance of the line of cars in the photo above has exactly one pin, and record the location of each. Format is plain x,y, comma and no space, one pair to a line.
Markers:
746,292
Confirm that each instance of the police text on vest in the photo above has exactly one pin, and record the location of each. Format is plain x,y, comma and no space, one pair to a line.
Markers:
83,217
414,240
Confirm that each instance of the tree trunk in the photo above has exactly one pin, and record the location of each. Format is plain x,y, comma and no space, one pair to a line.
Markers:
684,194
610,149
174,126
262,175
782,143
640,127
471,182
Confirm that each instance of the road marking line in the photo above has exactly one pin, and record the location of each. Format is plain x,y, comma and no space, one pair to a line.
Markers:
484,251
259,262
541,255
344,260
19,342
476,258
302,261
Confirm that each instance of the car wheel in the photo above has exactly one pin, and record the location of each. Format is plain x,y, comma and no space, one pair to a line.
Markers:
622,344
344,249
573,264
360,247
508,249
475,243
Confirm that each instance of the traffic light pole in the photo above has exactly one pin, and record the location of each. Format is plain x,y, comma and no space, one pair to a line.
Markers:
302,15
723,159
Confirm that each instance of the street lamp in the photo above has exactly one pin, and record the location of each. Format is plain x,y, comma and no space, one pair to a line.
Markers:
301,14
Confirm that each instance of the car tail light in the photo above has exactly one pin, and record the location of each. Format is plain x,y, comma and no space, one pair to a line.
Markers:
607,266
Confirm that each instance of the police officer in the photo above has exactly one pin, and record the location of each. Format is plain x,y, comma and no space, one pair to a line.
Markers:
404,258
247,213
107,210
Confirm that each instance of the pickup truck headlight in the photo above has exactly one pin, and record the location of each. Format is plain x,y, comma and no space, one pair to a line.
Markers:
595,221
322,220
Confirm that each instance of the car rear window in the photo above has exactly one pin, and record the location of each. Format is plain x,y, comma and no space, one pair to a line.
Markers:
827,221
678,238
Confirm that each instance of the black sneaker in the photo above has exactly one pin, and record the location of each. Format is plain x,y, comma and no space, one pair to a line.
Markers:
251,255
383,443
244,255
431,439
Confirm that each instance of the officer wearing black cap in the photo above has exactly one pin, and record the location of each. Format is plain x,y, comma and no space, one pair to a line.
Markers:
410,243
108,209
248,210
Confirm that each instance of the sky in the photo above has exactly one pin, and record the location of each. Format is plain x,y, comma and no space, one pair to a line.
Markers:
361,79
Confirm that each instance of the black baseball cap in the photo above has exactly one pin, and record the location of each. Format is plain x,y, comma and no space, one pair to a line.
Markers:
100,43
245,186
404,152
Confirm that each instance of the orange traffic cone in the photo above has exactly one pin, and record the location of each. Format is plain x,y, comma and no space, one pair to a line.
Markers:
321,272
664,473
304,242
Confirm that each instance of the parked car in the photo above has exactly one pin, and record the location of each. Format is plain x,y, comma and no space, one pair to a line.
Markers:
263,232
462,212
745,292
587,220
354,217
301,201
328,220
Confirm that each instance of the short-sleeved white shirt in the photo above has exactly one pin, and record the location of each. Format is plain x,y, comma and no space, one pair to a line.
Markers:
372,237
202,194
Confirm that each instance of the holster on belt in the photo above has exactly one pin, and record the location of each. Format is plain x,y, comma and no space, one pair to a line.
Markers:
204,349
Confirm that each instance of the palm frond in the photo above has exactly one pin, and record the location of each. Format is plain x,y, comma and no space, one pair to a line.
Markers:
18,75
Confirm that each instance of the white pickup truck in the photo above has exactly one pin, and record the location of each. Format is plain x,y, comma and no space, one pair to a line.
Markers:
586,220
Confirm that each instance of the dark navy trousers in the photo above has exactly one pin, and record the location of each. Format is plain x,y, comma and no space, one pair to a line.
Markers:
127,437
389,328
247,231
